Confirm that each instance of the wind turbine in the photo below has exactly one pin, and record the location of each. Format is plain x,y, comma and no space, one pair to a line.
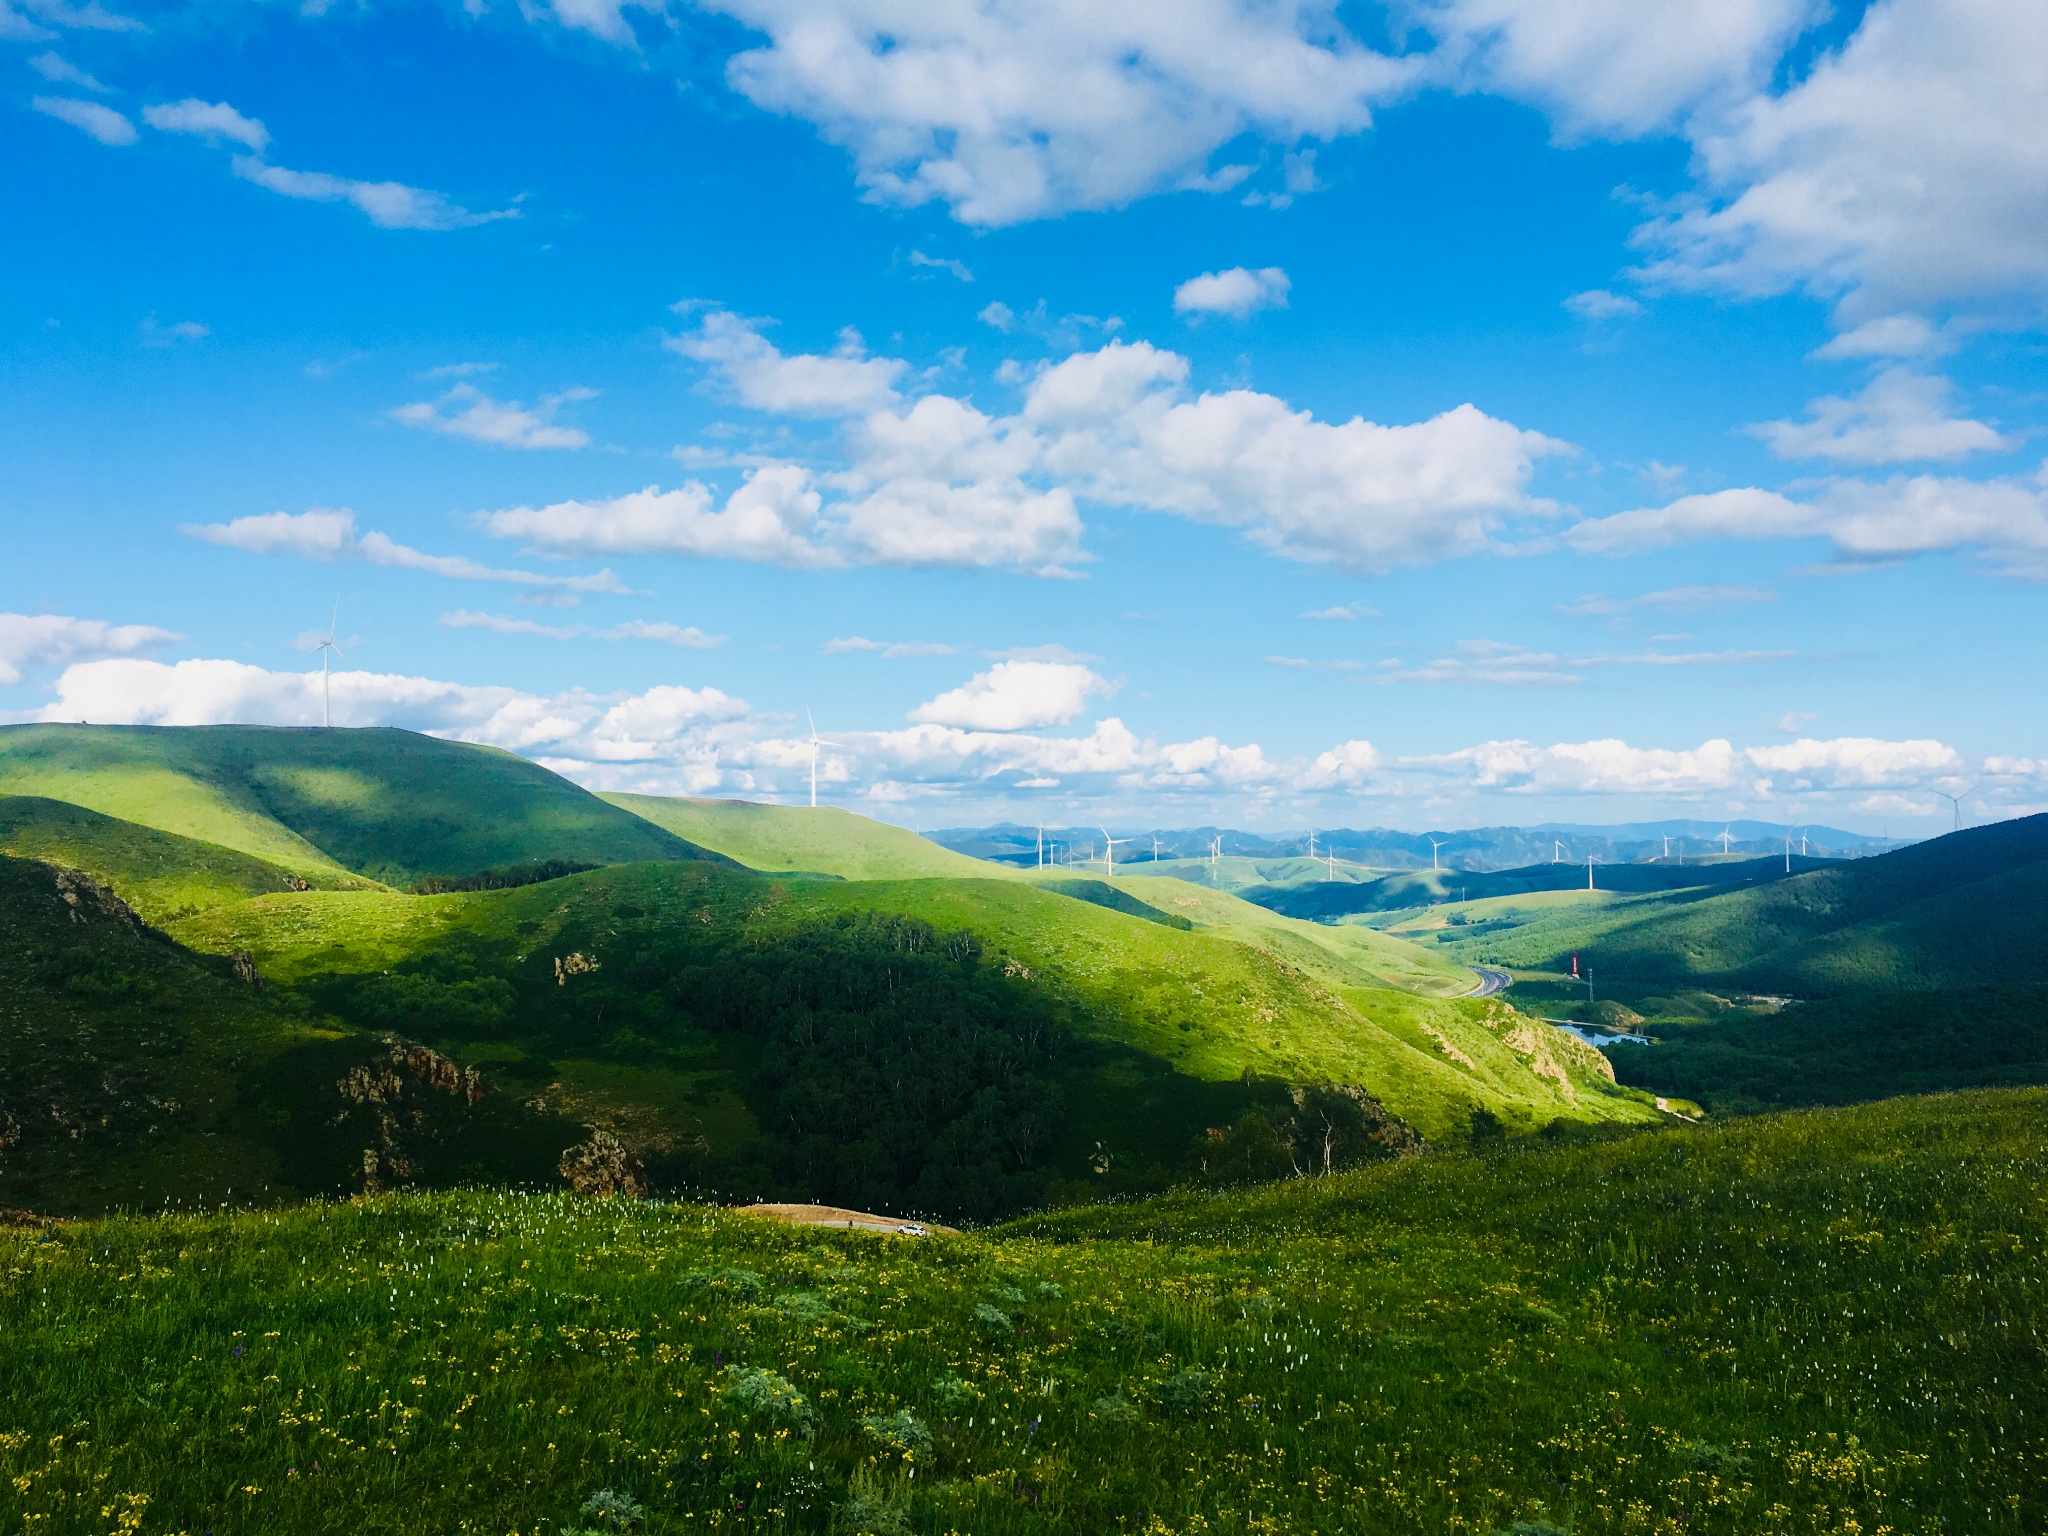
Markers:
1041,845
1589,872
1215,854
327,649
1434,844
1333,866
1155,848
1957,802
1109,852
1667,845
1724,841
1788,850
815,744
1311,842
1556,851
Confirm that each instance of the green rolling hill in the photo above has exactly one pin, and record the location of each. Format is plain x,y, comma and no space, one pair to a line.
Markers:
789,839
391,805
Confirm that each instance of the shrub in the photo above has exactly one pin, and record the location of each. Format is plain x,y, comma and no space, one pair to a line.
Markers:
762,1394
902,1431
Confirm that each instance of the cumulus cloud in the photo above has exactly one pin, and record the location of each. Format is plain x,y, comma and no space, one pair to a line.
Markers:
1899,417
1611,66
939,481
329,533
1119,426
1016,696
959,269
844,383
103,123
1007,112
1236,292
770,519
1890,336
51,640
1905,172
2005,521
1614,767
214,120
466,411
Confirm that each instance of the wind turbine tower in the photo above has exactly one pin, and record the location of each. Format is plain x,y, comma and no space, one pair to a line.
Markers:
1109,852
1556,851
816,743
1724,840
1041,845
1434,844
327,648
1957,802
1589,872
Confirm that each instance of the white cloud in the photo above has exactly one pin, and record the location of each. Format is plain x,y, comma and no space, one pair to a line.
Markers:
212,120
808,384
1236,292
1671,600
2005,520
1615,66
889,650
1347,764
103,123
1349,612
1016,696
1483,663
660,632
1614,767
1906,172
387,204
466,411
942,263
1890,336
771,519
1598,304
60,71
90,17
603,18
49,640
1900,416
1119,428
329,533
941,482
154,335
1793,721
1012,112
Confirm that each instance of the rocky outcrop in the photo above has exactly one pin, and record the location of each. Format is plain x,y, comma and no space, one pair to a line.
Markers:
84,895
390,1091
602,1166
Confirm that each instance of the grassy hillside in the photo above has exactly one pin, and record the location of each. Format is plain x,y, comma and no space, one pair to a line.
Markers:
1199,1005
789,839
393,805
1966,909
1828,1322
1324,899
162,875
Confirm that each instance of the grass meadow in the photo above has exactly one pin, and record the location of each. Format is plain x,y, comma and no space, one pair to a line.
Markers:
1826,1322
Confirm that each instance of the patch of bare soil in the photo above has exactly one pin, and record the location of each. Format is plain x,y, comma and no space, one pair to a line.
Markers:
835,1216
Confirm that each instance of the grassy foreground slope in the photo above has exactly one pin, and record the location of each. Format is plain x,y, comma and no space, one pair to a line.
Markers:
393,805
1821,1323
792,839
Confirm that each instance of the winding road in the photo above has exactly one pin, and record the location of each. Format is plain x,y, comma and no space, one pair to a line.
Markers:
1491,981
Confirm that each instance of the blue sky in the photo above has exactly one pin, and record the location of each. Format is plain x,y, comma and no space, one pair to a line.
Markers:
1473,411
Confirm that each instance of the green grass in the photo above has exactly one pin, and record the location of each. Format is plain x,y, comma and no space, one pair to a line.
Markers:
789,839
122,1058
1827,1322
392,805
1246,996
162,875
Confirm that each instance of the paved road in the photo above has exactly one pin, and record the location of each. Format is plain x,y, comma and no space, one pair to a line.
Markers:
1491,981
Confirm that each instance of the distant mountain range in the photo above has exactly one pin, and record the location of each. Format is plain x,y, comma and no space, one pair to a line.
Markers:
1472,848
